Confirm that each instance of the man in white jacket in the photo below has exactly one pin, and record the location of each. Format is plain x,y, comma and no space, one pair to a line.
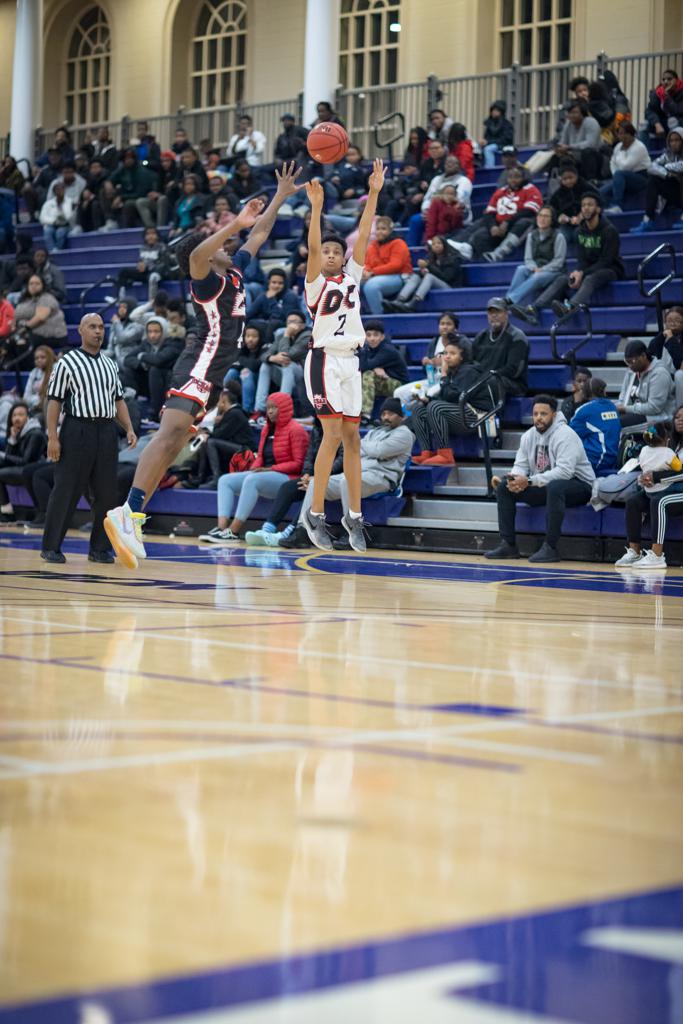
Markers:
58,216
551,469
629,167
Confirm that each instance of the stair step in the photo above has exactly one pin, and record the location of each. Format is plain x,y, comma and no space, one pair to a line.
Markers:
473,511
461,491
442,524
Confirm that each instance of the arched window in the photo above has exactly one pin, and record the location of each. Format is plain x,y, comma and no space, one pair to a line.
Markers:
368,42
87,70
219,50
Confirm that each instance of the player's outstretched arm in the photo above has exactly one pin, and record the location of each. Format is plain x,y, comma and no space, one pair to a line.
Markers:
286,187
199,257
316,196
375,183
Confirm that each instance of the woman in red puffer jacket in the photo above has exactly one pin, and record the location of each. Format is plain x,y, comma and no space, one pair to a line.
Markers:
280,458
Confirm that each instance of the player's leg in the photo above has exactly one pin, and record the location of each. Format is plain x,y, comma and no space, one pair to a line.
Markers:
329,446
352,469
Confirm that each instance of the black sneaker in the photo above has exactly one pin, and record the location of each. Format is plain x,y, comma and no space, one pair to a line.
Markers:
7,517
561,309
317,531
503,550
53,556
297,539
545,554
528,314
355,527
105,557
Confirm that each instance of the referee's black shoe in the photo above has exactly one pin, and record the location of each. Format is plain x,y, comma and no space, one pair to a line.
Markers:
53,556
105,557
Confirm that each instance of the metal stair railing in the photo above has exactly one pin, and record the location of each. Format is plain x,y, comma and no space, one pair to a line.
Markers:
388,144
479,418
569,357
656,289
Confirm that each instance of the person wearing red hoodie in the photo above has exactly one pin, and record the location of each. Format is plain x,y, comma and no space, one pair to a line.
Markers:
281,451
6,319
387,263
665,106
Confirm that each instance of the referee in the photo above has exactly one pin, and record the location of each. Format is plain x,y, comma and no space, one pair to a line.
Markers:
85,384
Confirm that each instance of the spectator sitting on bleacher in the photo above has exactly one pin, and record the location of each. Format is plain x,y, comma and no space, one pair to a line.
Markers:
124,334
35,191
445,214
154,206
668,348
218,187
145,147
61,145
566,200
281,452
231,433
629,165
576,396
498,132
131,181
580,139
245,181
291,142
23,268
180,324
104,150
58,216
416,151
382,366
387,264
452,175
35,392
665,182
508,216
151,267
180,142
25,445
665,107
51,274
579,88
647,391
503,348
73,184
350,179
439,125
90,215
596,421
10,176
148,368
434,164
190,163
460,146
384,452
436,417
6,324
545,257
158,306
282,362
188,211
246,367
275,304
441,269
509,158
218,217
608,105
598,261
448,325
246,143
552,469
39,319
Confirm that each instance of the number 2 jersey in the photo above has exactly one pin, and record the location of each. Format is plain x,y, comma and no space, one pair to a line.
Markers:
334,304
220,308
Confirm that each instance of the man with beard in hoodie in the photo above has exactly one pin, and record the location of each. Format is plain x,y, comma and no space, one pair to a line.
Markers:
598,261
387,263
552,469
498,132
149,368
665,182
26,445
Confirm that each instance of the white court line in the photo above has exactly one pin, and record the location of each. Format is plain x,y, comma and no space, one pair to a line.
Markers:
363,659
598,716
20,762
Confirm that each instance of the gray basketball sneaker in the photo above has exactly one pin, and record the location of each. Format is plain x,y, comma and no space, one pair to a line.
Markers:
355,527
316,529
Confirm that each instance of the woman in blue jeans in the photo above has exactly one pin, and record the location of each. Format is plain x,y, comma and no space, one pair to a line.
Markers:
545,257
281,453
246,367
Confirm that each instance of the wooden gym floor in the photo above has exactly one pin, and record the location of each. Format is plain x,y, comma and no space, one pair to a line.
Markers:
251,785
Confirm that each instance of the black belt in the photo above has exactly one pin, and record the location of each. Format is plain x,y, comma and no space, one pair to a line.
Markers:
91,419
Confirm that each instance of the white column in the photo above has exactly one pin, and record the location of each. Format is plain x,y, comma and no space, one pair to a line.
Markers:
26,77
321,56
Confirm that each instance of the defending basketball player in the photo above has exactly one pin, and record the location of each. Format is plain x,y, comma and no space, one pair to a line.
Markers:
331,372
218,297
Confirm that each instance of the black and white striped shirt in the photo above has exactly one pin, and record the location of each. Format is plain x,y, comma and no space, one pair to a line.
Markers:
89,386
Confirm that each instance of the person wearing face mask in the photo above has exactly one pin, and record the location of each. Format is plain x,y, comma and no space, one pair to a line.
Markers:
668,348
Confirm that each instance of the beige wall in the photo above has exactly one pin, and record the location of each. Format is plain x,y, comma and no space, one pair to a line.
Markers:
7,15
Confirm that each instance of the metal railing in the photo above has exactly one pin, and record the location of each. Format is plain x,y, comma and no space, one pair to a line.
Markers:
478,419
569,357
362,109
656,289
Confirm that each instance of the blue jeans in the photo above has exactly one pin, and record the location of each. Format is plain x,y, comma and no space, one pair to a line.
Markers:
490,154
416,227
376,288
525,285
624,183
247,378
341,223
55,238
287,377
248,487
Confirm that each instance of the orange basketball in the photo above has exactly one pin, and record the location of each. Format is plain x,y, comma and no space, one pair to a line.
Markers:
327,142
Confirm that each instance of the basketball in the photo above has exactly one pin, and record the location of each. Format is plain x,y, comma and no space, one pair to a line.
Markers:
327,142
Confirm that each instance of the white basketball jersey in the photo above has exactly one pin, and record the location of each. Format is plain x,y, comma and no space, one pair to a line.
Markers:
334,304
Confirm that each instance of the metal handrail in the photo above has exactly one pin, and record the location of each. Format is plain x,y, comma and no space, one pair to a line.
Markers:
656,289
493,384
389,143
569,357
86,291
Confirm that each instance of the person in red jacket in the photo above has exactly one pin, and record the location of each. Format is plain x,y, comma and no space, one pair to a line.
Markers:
444,216
281,451
511,211
459,145
6,321
387,263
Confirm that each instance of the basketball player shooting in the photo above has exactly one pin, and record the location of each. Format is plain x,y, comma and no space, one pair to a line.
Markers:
331,372
218,297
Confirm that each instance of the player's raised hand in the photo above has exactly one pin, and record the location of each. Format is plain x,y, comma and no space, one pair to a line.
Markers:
316,196
376,179
286,179
250,213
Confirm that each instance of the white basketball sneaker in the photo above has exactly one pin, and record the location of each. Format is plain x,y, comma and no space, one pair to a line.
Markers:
630,558
124,529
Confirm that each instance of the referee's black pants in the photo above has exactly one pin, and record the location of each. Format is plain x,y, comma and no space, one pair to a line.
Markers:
87,465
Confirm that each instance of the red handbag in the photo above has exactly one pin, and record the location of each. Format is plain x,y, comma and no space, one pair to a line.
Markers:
242,461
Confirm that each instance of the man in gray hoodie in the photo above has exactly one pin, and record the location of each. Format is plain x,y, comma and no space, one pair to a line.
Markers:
384,452
551,469
647,393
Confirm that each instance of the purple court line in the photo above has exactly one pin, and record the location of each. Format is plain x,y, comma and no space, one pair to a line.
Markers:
605,730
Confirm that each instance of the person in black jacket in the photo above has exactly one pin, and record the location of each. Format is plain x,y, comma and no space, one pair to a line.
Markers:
152,265
148,369
566,200
245,181
274,305
503,348
290,494
438,418
26,443
291,142
665,107
441,269
382,366
246,367
231,433
599,262
498,132
351,179
668,348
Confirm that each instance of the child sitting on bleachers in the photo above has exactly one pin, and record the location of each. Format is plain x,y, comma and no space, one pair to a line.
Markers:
657,456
